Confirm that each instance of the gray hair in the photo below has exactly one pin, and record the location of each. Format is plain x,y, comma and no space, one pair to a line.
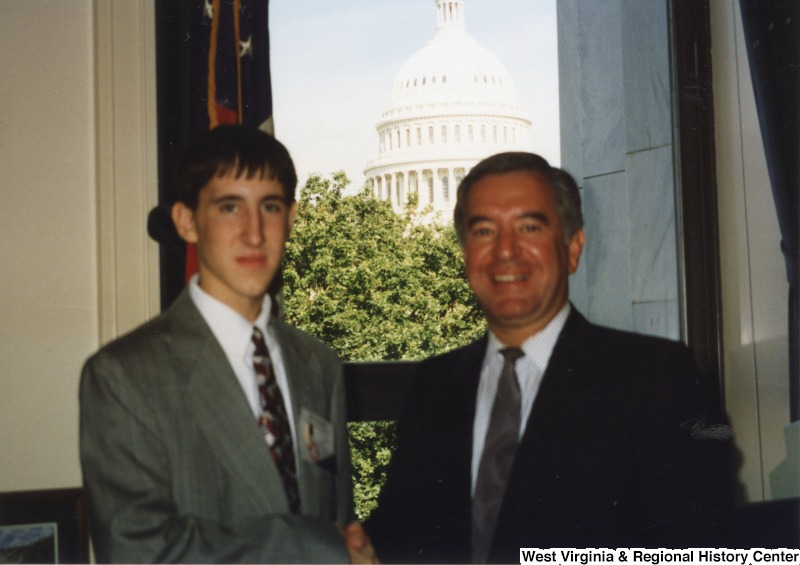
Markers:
567,193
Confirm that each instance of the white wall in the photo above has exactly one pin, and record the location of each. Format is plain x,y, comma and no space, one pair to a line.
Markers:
754,287
77,145
48,303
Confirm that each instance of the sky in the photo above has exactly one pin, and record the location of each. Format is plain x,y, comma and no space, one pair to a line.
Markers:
334,63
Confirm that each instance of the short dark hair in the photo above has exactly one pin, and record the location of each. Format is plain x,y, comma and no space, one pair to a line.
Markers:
232,150
567,193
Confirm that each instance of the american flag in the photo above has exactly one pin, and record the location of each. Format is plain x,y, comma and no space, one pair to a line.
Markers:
232,54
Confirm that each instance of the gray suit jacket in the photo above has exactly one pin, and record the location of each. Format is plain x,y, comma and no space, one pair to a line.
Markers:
174,465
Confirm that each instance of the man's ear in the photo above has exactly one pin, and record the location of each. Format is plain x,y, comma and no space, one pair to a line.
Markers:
183,218
575,247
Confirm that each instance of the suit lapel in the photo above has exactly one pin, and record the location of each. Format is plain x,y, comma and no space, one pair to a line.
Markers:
307,390
220,408
570,363
463,391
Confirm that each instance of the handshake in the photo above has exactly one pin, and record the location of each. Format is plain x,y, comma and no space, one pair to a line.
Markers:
359,546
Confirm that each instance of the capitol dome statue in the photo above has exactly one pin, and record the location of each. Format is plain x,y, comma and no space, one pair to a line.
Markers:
453,103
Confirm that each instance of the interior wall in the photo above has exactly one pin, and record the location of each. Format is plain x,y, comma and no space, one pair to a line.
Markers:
754,287
48,305
77,151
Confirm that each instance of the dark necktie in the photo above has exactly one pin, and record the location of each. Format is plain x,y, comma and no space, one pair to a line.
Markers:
274,422
498,455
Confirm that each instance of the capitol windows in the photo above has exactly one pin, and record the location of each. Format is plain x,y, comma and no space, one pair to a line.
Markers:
419,136
470,137
505,134
408,137
483,134
398,140
494,134
444,134
430,189
446,188
458,133
430,134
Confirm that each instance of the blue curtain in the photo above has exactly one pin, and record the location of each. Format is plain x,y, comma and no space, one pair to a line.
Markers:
772,34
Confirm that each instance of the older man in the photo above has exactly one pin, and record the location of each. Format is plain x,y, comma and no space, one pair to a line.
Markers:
549,431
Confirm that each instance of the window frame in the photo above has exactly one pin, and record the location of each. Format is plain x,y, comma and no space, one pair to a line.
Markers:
375,391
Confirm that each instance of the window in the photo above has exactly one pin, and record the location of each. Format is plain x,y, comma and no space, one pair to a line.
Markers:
444,134
699,161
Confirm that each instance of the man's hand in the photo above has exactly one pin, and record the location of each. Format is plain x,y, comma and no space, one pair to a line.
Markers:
359,546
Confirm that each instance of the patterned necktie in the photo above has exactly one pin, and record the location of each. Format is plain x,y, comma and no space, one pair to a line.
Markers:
274,422
502,437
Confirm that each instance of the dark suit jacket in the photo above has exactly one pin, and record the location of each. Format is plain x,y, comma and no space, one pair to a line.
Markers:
620,450
174,465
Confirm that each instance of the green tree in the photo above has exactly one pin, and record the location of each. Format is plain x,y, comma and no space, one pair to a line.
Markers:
374,285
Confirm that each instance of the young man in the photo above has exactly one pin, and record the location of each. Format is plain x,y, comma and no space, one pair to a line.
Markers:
549,431
197,428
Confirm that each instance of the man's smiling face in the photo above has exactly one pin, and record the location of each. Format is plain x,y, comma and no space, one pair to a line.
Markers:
516,254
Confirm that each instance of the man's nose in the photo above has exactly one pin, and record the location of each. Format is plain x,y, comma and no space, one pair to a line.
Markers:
506,245
254,228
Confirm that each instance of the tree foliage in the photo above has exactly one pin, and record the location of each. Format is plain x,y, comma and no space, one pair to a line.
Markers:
374,285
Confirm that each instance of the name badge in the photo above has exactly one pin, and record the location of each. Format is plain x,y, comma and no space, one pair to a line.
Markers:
317,434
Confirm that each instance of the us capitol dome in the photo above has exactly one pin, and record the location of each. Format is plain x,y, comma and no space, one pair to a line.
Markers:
453,103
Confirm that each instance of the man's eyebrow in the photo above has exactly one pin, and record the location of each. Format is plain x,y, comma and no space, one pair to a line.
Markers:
538,216
270,197
238,198
226,198
472,220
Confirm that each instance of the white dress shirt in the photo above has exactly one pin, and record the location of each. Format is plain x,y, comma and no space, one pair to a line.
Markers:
234,334
530,369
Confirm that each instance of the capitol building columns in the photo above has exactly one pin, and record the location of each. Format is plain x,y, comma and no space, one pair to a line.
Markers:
435,187
453,103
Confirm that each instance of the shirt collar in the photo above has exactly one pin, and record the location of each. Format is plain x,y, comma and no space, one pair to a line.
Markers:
539,347
232,330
